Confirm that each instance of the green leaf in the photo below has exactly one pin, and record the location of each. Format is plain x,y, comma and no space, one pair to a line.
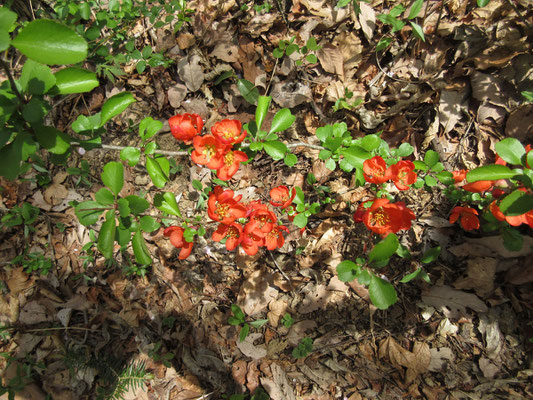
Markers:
491,172
122,235
256,146
275,149
106,237
157,175
300,197
482,3
248,91
258,323
115,105
137,204
84,124
311,59
324,132
382,293
7,19
261,110
150,148
123,207
511,150
411,276
431,255
140,250
282,120
347,270
512,239
113,176
446,177
35,111
75,80
420,165
149,127
397,10
51,43
149,224
370,142
131,155
104,197
89,212
237,312
330,164
516,203
430,181
278,53
415,9
418,31
166,202
383,250
245,330
15,152
53,140
290,160
234,321
36,78
300,220
405,150
356,156
383,44
431,158
528,96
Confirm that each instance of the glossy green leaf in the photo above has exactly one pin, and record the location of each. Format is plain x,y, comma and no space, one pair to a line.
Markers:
384,249
382,293
482,3
36,78
157,175
516,203
510,150
104,197
53,140
149,224
282,120
330,164
122,236
261,110
131,155
446,177
275,149
431,255
413,275
243,334
431,158
137,204
35,110
150,148
420,165
123,207
347,270
166,202
15,152
75,80
418,31
300,220
86,125
106,237
405,150
115,105
140,250
415,9
430,181
113,176
51,43
149,127
258,323
370,142
248,91
311,59
490,172
237,312
7,19
89,212
290,159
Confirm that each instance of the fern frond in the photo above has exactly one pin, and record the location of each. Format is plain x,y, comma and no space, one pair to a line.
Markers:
131,377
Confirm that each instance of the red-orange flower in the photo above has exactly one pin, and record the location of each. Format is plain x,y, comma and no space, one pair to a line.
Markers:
274,239
175,233
281,197
232,160
223,207
384,217
185,126
468,217
478,187
459,175
251,241
375,170
263,220
403,174
232,232
228,131
208,151
514,220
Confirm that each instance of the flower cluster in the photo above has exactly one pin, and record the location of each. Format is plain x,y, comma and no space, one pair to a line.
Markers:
402,173
251,225
383,217
215,151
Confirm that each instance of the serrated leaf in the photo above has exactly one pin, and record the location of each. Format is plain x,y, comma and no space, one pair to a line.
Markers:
384,249
275,149
149,224
113,176
104,197
382,293
510,150
131,155
115,105
51,43
347,270
282,120
7,19
166,202
89,212
137,204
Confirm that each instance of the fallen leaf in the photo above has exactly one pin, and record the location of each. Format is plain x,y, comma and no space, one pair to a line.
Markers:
226,51
488,367
481,272
278,387
416,361
367,19
18,280
316,298
519,125
490,246
55,194
451,108
190,71
451,302
440,357
249,349
331,59
291,94
176,94
238,372
33,313
257,292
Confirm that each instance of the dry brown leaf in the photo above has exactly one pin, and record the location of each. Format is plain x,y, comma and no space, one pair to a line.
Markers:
416,362
452,302
490,246
226,51
451,108
185,40
367,19
176,94
256,292
331,59
249,349
519,125
489,88
18,280
55,193
33,313
488,367
238,371
493,57
252,377
480,275
315,298
278,387
440,357
351,49
291,94
277,308
191,72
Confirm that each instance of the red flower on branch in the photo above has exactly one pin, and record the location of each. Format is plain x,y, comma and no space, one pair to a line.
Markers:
262,220
514,220
478,187
232,233
228,131
208,151
223,207
185,126
384,217
459,175
403,174
274,239
251,241
175,233
467,217
232,160
281,197
375,170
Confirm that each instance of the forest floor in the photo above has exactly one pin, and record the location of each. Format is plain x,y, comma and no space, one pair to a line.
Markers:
467,335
